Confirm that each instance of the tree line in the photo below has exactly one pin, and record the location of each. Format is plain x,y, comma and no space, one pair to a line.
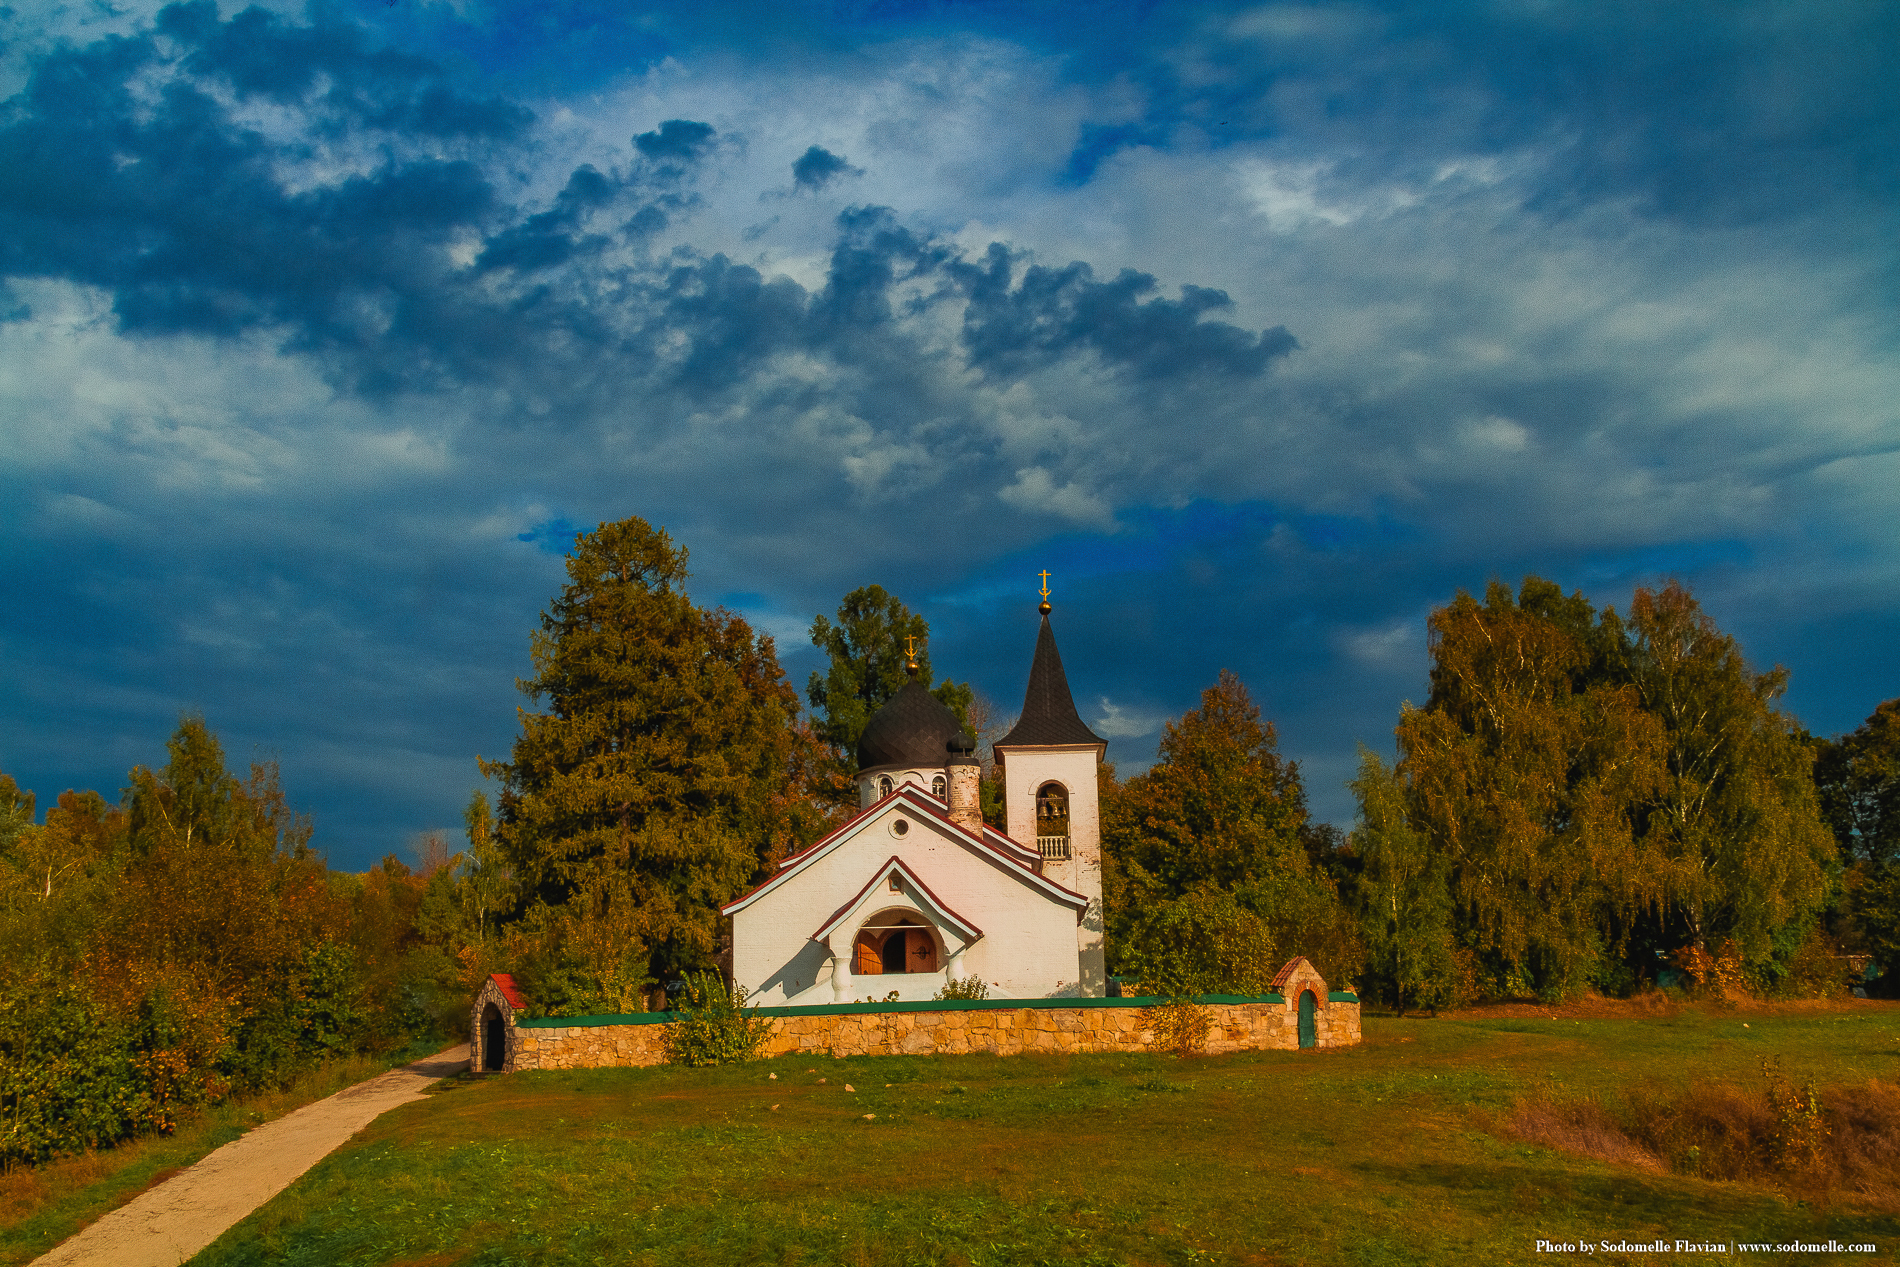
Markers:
186,944
1588,800
1584,801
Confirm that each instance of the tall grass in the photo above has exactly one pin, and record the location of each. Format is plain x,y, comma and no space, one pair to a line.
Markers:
1819,1141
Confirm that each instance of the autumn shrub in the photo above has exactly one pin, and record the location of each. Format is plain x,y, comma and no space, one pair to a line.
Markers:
314,1012
714,1026
1201,943
964,988
87,1061
1781,1132
1180,1026
1718,973
67,1078
1807,967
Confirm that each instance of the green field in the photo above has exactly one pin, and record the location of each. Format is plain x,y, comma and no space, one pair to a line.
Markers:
1391,1152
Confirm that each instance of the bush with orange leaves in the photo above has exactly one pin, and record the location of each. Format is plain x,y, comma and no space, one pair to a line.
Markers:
1720,974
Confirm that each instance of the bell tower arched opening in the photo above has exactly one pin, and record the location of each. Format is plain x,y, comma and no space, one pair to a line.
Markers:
1052,821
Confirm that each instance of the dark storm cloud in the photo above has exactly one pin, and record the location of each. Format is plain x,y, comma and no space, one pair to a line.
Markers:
733,319
1710,110
677,139
176,210
1053,312
547,239
259,55
179,211
818,167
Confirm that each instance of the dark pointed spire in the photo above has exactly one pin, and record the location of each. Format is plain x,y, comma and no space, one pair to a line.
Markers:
1049,715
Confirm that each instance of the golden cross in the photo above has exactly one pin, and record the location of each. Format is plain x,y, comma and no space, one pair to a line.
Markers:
910,646
1044,574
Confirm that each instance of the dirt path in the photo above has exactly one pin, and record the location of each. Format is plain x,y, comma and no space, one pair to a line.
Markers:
168,1224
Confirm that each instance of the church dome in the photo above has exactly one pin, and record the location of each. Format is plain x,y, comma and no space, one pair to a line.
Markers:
913,731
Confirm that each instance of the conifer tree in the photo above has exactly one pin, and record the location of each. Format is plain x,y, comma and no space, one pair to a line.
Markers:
664,771
1221,807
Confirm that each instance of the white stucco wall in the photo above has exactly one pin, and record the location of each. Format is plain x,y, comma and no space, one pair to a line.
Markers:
1028,948
1073,766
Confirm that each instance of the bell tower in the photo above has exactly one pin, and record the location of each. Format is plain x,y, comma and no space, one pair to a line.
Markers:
1047,767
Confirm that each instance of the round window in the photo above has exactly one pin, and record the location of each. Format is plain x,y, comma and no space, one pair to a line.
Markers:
900,827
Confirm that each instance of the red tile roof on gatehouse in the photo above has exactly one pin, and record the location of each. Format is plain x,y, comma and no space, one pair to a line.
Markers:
505,982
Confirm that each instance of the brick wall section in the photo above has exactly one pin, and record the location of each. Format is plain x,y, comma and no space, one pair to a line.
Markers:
1263,1025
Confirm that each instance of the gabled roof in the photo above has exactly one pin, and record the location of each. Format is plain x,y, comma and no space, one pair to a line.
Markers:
1018,861
505,982
918,892
1285,974
921,804
1049,715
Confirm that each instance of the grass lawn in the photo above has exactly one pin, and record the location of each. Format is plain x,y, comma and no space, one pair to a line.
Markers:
1384,1153
42,1206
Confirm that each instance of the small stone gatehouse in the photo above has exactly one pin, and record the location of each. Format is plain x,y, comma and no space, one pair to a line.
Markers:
491,1024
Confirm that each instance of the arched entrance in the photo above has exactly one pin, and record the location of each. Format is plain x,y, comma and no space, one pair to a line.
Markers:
892,943
494,1040
1309,1016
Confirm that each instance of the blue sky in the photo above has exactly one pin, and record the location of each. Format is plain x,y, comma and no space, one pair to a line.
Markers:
1263,328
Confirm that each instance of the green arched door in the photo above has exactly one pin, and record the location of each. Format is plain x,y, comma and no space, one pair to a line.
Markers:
1309,1030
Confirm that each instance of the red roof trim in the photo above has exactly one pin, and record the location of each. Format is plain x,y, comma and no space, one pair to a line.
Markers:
505,982
835,832
896,863
990,837
921,803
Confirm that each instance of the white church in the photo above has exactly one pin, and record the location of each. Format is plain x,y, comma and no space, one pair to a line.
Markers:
915,890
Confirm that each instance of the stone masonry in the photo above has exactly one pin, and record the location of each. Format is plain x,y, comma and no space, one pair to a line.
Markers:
909,1030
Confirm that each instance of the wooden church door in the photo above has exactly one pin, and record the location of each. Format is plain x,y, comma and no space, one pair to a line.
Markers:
921,952
869,960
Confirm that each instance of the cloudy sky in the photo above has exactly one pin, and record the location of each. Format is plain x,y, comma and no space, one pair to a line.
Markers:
1263,329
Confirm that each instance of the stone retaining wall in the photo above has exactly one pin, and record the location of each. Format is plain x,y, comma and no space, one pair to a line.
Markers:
999,1027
